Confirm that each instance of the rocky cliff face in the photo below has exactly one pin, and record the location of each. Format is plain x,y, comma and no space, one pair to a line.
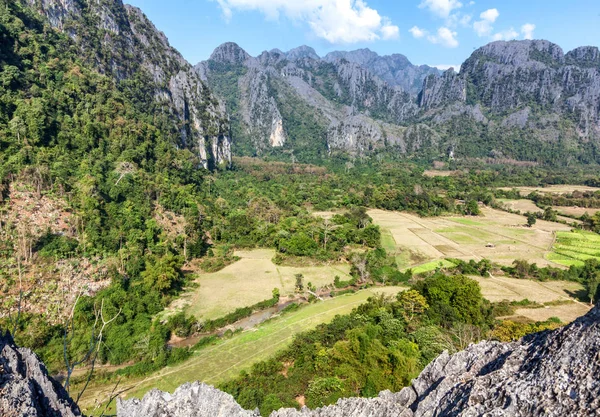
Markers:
120,40
26,390
295,98
545,374
395,69
518,99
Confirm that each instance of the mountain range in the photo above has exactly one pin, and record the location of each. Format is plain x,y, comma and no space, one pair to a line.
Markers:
525,100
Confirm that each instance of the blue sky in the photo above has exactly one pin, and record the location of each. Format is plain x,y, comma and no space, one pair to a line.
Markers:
434,32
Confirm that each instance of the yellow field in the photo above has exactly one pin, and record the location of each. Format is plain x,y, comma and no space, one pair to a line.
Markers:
576,211
522,205
512,289
527,205
248,281
553,189
467,237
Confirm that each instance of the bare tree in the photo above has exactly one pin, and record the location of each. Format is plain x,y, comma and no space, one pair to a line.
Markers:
91,354
327,228
360,262
124,168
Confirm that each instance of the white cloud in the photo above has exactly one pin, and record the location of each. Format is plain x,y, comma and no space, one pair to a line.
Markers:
458,20
417,32
389,31
444,37
527,30
441,8
506,35
337,21
445,67
484,26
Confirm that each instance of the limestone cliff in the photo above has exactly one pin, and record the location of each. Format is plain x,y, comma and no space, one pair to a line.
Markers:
119,39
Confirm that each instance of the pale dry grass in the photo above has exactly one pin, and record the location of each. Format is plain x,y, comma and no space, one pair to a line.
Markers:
575,211
439,173
522,205
467,237
498,289
565,312
553,189
250,280
513,289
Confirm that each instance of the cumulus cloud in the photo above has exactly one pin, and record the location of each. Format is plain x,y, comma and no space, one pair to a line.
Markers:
444,37
527,30
506,35
337,21
417,32
441,8
445,67
484,27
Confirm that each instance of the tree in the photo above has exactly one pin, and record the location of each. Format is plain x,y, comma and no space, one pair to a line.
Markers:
412,303
452,299
299,282
550,214
163,274
531,218
591,286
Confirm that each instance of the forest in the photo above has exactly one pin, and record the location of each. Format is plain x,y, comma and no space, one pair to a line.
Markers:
107,151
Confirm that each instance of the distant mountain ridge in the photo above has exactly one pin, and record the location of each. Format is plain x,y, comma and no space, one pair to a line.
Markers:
526,100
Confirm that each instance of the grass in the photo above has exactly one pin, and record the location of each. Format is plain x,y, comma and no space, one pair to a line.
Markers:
430,266
466,221
248,281
225,359
431,239
573,248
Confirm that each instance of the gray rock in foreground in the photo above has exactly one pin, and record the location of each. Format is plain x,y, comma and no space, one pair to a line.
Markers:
546,374
189,400
26,390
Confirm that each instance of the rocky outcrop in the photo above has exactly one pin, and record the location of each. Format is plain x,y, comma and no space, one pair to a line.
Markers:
125,44
26,390
545,374
553,373
395,69
349,105
189,400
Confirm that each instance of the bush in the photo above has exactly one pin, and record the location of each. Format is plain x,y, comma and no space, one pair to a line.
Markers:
55,246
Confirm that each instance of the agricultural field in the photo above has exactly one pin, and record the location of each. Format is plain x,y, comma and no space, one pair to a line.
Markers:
575,211
552,189
439,173
248,281
557,297
524,206
496,235
573,248
225,359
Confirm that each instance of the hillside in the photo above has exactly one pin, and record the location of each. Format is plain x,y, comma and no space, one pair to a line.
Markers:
525,100
552,373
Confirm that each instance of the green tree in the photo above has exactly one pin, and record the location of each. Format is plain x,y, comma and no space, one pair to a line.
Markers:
163,274
531,219
452,299
299,282
591,285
